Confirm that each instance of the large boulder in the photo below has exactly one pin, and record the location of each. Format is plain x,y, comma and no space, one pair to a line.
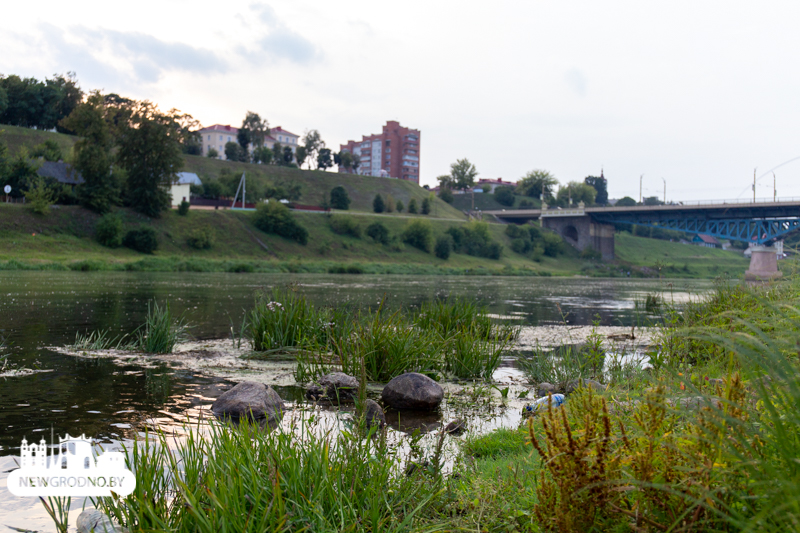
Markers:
250,400
373,414
412,391
335,387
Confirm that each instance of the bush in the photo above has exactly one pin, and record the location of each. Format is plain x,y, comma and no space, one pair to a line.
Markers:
412,206
446,195
108,231
142,239
378,233
40,196
426,206
339,198
377,204
504,195
183,208
473,239
389,203
552,244
399,206
274,217
201,239
516,232
344,225
419,234
444,245
525,204
520,246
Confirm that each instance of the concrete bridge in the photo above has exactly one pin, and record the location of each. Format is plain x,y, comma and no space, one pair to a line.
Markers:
758,222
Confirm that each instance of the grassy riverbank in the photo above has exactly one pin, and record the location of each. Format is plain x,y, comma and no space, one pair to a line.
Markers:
65,239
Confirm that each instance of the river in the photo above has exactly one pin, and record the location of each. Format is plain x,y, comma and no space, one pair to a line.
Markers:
110,401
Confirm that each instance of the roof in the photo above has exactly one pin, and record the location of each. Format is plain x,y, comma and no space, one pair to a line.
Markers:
188,178
708,239
220,127
282,131
61,172
498,181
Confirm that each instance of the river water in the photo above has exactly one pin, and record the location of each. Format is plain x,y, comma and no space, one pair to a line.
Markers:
110,401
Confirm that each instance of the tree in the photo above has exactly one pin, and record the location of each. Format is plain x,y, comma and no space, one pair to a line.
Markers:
346,160
300,155
71,97
277,150
254,131
576,192
356,163
339,198
313,143
39,195
419,234
463,174
412,206
443,247
446,195
625,201
426,205
652,200
21,171
377,204
212,153
99,191
262,155
389,203
235,152
446,182
600,184
149,149
537,184
378,232
288,155
324,160
399,206
504,195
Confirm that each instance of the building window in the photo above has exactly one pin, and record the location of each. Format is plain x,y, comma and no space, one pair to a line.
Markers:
220,137
388,143
209,137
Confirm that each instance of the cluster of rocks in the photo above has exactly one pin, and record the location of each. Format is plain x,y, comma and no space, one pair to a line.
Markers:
260,403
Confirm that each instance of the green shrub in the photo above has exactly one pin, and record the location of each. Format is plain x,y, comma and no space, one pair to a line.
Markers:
142,239
521,246
39,195
339,198
473,239
444,245
345,225
378,233
108,230
346,269
504,195
412,206
201,239
377,204
274,217
515,232
183,208
426,205
552,244
446,195
399,206
419,234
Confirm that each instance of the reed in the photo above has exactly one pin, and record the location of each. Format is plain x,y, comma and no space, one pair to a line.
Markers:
97,340
474,354
161,330
292,479
284,319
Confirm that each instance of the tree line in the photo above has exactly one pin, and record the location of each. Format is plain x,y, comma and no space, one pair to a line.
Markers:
536,184
31,103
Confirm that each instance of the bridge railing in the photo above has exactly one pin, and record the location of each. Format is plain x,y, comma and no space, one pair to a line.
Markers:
738,201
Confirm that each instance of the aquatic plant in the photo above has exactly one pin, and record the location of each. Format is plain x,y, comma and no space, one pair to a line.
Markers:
251,480
97,340
472,354
161,331
283,319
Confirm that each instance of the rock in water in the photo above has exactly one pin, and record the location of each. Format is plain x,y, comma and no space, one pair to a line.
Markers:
251,400
456,427
373,414
412,391
93,521
335,387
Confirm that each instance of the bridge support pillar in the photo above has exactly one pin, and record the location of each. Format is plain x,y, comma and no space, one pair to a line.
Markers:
763,264
582,232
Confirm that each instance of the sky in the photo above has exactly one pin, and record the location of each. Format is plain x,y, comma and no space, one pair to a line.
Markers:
695,94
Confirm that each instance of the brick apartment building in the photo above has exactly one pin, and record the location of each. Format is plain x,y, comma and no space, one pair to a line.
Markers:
391,154
218,135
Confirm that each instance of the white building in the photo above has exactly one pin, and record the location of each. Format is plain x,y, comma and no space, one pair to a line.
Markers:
218,135
181,188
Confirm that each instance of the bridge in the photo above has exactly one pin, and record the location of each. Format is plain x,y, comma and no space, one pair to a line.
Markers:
759,222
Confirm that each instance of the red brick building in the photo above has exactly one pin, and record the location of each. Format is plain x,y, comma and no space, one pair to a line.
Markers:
391,154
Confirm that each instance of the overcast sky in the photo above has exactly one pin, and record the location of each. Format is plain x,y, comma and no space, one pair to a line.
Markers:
698,93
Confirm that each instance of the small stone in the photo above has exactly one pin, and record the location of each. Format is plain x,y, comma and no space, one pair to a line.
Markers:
335,387
250,400
544,388
412,391
374,415
456,427
93,521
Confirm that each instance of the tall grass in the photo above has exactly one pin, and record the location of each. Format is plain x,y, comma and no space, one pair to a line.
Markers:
244,479
161,331
284,319
97,340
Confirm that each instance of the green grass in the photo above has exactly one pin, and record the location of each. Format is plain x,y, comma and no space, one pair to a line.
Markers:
161,330
17,138
486,202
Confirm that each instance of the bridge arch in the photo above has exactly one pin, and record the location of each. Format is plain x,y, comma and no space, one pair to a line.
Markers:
570,232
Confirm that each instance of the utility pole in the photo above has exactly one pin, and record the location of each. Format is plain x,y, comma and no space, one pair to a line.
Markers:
754,184
665,190
640,188
774,189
